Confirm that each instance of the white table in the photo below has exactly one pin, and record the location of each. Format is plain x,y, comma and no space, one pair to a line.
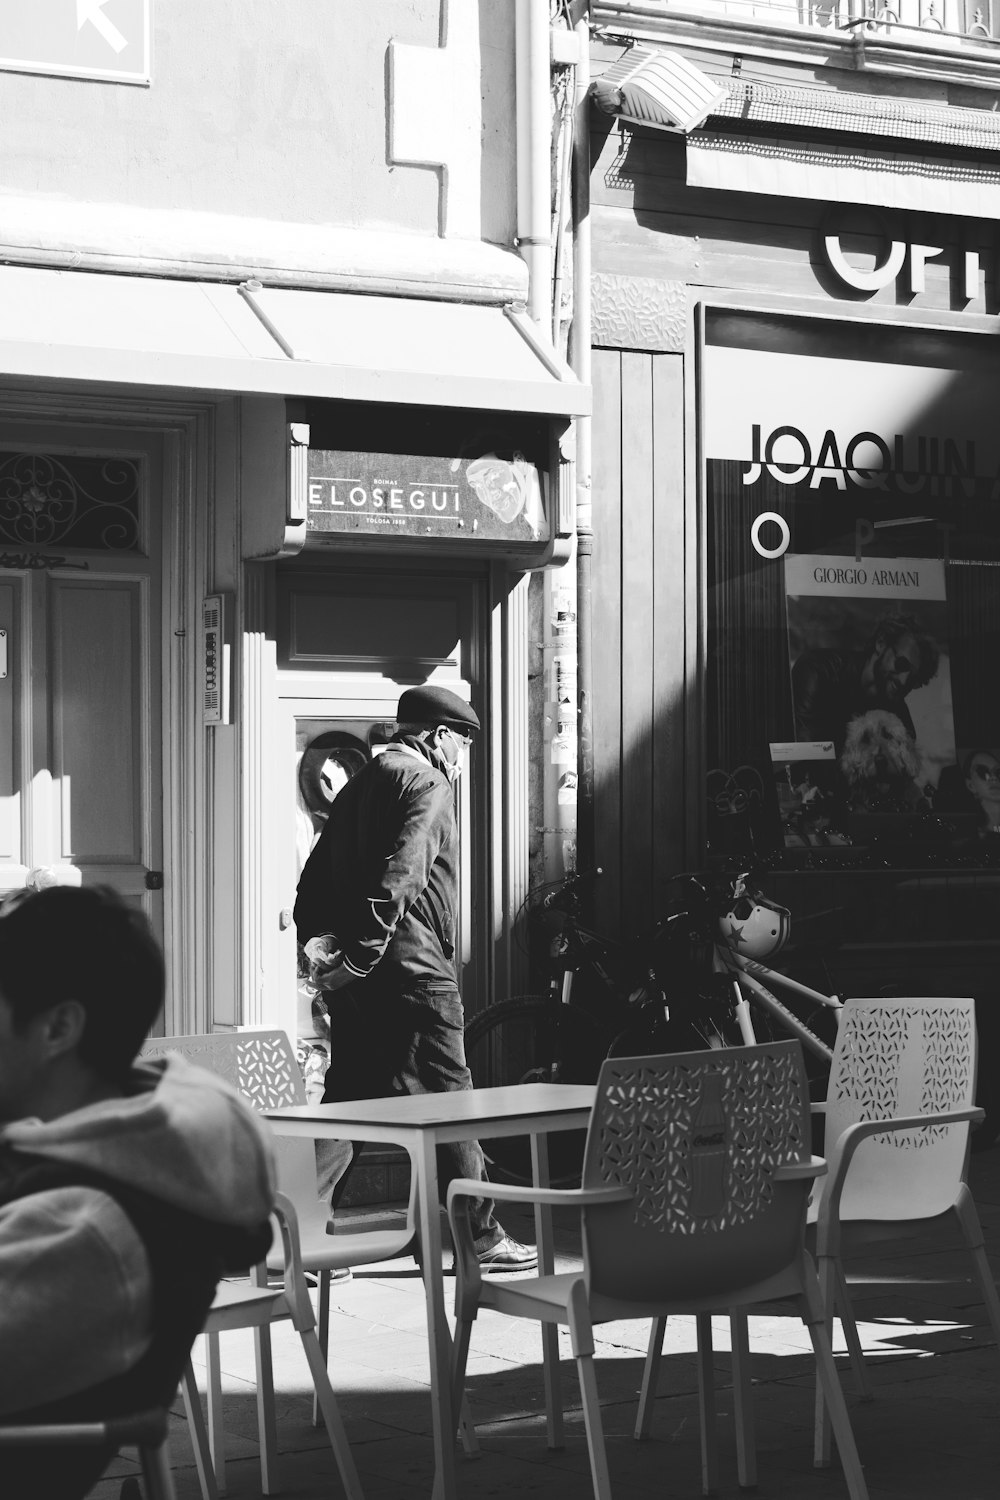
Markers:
420,1123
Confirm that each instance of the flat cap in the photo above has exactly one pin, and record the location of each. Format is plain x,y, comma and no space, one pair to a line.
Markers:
436,705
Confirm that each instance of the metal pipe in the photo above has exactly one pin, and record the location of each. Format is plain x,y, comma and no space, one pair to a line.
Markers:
580,360
534,134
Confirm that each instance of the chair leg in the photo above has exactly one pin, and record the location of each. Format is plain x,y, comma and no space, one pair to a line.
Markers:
199,1435
553,1388
650,1376
746,1448
842,1304
836,1298
595,1431
972,1233
813,1316
459,1401
157,1478
582,1342
706,1406
322,1331
331,1415
467,1428
266,1423
216,1435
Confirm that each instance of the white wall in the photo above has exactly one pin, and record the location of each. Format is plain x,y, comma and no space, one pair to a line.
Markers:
273,109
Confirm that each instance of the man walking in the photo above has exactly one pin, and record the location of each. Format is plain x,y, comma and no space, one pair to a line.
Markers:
376,911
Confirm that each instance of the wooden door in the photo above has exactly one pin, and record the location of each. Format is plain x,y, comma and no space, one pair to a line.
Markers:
80,738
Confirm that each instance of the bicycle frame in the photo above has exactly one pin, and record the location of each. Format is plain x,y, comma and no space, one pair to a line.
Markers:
748,975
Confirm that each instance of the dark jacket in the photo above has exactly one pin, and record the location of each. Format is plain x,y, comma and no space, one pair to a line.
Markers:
383,875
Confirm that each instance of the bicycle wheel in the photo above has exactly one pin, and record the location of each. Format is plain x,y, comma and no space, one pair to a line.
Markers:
531,1039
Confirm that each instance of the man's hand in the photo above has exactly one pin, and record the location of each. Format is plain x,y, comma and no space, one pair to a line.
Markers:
333,976
326,963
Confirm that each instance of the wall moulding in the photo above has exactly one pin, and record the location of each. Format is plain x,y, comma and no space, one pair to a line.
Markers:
638,312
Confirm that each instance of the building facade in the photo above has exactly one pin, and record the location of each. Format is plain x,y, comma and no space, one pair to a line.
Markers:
796,533
282,431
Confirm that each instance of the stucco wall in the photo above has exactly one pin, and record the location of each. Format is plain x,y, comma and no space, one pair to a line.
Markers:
273,109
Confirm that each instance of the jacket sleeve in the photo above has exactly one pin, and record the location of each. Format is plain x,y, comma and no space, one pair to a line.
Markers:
412,841
75,1295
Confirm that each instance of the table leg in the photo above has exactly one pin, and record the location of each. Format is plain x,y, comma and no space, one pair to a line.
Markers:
438,1337
546,1265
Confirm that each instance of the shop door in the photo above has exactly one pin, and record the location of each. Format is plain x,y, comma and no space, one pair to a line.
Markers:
80,756
348,647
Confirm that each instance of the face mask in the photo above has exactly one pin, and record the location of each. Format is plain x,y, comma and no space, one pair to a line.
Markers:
453,769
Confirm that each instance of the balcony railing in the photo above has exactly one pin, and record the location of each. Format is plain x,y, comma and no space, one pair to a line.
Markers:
921,23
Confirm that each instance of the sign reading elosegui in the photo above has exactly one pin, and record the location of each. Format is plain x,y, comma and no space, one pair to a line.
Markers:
491,497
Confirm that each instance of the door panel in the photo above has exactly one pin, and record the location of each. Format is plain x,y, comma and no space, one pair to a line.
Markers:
96,637
11,867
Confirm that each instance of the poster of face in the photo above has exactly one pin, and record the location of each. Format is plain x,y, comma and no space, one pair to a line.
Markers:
867,645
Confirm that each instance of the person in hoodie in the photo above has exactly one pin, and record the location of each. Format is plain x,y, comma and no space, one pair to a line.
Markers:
376,911
126,1190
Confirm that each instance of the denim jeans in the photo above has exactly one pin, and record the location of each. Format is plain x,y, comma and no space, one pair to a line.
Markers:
389,1040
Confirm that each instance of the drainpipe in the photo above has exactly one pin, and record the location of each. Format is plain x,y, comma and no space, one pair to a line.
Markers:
579,358
534,133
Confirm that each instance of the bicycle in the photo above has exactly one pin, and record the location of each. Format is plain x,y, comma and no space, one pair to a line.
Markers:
684,985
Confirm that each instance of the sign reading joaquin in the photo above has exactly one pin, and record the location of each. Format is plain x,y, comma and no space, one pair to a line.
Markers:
903,464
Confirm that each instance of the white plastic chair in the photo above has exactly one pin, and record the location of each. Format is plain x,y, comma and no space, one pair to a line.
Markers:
262,1067
898,1113
695,1183
257,1304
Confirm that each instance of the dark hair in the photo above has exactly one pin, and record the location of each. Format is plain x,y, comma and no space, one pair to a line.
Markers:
970,757
68,943
890,631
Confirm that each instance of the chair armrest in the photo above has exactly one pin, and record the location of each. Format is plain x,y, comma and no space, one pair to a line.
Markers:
296,1292
842,1153
143,1427
468,1275
468,1187
795,1171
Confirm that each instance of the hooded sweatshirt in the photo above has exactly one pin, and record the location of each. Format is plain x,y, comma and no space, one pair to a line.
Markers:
75,1282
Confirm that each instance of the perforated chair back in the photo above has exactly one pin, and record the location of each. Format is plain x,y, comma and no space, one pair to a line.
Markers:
902,1057
699,1137
262,1066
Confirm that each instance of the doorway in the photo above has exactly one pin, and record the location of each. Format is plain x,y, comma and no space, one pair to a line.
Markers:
349,643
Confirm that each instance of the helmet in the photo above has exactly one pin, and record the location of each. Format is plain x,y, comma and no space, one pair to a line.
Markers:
755,927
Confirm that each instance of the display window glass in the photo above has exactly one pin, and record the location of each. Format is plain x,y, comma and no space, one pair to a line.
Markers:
851,518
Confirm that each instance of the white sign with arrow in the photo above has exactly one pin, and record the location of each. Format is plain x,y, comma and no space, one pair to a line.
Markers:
106,39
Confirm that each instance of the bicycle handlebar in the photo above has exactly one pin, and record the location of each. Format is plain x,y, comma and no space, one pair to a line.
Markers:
568,884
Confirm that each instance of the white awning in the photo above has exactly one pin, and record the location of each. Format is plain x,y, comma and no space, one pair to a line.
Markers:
82,325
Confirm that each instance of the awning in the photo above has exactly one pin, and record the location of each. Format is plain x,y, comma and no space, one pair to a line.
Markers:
833,172
82,325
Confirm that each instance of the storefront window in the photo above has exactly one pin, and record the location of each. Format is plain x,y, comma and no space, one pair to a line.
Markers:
852,521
